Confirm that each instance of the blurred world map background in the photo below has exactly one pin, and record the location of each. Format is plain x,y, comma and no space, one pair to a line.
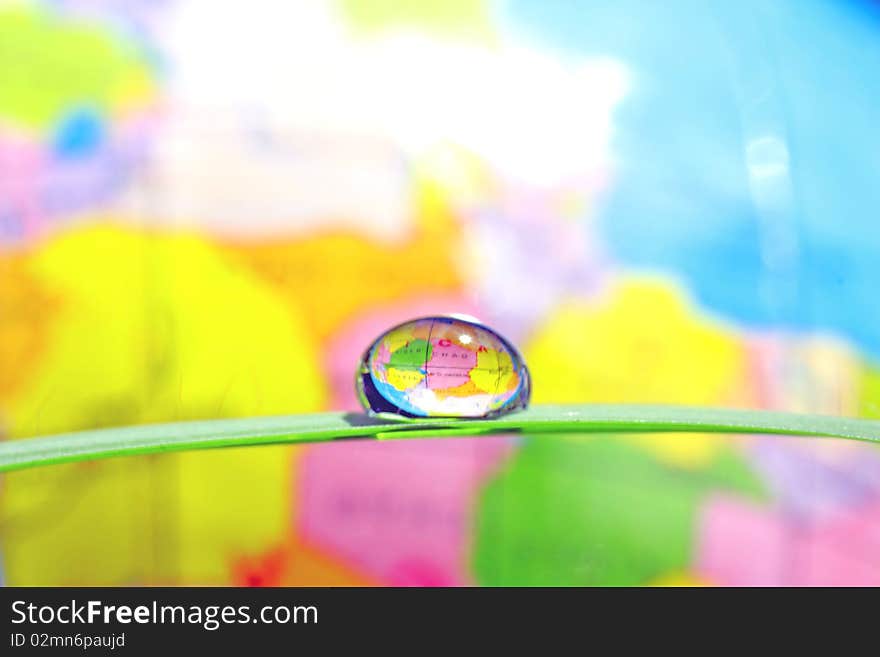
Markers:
208,209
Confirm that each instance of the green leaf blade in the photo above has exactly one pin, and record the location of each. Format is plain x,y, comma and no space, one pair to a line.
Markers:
322,427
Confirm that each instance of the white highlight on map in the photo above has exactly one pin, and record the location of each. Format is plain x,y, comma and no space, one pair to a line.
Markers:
426,399
270,72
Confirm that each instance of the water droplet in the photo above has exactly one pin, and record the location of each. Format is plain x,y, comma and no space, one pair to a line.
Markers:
444,366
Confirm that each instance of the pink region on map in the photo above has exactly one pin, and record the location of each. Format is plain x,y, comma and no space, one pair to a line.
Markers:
344,350
400,512
380,361
18,197
741,544
765,360
383,355
449,365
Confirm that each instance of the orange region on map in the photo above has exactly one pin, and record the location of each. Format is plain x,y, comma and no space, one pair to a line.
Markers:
27,309
296,563
365,273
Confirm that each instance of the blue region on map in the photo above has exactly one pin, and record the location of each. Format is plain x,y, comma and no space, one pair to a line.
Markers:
682,203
